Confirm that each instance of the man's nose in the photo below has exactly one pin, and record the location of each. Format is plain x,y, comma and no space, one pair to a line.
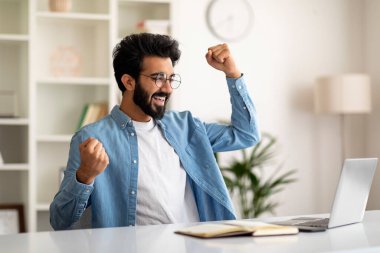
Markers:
167,86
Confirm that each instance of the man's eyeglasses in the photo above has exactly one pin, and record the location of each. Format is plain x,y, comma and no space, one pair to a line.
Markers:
161,78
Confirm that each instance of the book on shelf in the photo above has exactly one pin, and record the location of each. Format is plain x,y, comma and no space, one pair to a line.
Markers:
237,227
92,112
158,26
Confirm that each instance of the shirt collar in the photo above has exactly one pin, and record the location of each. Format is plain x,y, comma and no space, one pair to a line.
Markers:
123,120
120,117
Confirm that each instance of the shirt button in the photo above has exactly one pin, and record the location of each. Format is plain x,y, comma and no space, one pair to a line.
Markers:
133,192
132,134
239,87
123,125
87,190
134,161
245,108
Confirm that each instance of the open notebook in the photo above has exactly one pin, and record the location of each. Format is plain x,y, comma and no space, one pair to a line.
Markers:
237,227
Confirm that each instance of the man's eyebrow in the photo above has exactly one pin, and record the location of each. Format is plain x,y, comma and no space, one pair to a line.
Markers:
162,73
157,73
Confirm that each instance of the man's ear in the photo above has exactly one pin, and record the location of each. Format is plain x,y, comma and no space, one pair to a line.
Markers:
128,82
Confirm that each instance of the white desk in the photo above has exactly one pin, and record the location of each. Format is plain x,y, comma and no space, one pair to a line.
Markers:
363,237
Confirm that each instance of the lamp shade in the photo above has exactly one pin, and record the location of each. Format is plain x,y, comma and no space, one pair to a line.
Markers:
343,94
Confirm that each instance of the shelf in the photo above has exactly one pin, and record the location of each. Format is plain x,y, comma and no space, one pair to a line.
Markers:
14,121
54,138
43,207
14,37
74,81
73,16
14,167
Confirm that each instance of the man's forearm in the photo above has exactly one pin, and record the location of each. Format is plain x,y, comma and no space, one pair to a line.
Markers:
69,203
243,117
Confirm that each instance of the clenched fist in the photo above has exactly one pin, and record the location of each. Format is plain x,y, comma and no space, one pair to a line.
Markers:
93,160
220,58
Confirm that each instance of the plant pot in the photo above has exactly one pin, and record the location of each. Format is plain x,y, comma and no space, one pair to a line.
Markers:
60,5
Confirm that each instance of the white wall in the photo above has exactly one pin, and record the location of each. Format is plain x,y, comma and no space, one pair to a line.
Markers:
372,62
292,42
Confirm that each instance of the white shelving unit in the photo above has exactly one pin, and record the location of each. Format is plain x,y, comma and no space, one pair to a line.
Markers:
14,121
74,81
14,78
56,63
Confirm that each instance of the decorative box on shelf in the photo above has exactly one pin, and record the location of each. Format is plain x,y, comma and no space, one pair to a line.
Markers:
65,61
60,5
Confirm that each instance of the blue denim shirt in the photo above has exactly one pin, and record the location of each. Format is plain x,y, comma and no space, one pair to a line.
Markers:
112,196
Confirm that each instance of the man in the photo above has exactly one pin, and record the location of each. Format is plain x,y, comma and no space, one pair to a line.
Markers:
142,165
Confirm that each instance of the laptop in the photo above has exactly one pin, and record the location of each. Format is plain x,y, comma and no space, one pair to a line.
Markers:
350,198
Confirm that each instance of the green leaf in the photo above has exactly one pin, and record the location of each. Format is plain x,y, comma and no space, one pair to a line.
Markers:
229,183
254,181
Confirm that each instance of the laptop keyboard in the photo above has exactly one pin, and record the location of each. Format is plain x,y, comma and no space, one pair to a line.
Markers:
315,223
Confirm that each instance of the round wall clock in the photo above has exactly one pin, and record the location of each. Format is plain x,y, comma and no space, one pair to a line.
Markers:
229,20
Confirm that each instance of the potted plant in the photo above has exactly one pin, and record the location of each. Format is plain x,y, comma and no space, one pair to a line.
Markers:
245,177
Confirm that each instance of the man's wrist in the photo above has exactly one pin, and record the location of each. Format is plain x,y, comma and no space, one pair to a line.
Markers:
83,178
236,74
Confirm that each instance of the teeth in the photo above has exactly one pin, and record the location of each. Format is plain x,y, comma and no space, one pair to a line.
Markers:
159,98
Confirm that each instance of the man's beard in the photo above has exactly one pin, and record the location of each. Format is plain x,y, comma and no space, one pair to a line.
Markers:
143,100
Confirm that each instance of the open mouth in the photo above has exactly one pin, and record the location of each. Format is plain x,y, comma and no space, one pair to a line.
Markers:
159,99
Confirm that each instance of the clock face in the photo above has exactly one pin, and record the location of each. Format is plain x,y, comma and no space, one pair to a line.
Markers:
229,20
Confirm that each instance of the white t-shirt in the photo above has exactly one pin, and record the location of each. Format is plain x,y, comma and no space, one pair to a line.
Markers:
163,191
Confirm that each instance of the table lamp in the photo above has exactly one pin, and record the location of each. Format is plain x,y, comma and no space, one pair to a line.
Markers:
343,94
